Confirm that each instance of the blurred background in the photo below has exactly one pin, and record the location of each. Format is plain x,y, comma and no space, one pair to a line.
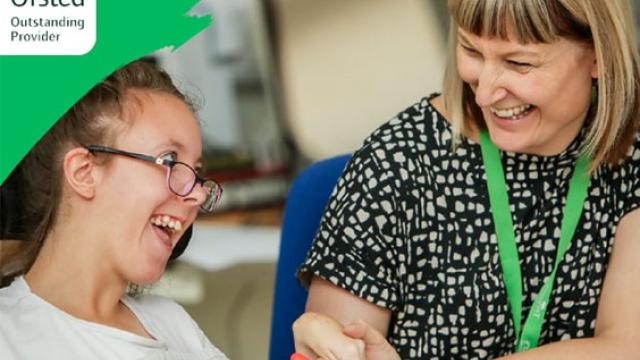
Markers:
281,84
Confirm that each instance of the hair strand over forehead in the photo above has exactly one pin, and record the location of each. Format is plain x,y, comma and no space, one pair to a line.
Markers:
530,21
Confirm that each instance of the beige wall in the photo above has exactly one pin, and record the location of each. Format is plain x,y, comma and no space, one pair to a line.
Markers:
348,66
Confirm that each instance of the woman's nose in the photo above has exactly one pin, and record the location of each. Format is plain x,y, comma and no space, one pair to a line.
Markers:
197,196
489,89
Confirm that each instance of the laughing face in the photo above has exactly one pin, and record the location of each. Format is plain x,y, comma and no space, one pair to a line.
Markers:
534,98
145,219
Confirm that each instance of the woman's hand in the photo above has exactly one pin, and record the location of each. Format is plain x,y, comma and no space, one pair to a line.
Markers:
376,346
320,337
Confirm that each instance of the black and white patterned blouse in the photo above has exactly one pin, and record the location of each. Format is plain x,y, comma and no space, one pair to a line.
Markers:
408,227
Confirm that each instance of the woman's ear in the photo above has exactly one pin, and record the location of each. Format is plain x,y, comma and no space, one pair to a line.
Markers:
79,172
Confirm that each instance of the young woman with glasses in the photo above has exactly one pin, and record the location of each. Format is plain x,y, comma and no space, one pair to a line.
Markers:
108,193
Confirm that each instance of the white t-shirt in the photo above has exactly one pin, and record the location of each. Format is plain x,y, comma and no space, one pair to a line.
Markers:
31,328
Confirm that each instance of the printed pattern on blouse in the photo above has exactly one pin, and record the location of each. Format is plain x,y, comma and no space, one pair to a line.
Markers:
409,228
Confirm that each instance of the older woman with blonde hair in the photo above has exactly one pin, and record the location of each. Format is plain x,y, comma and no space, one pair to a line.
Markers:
501,217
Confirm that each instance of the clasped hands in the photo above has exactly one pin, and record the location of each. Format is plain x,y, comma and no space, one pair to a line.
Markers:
319,337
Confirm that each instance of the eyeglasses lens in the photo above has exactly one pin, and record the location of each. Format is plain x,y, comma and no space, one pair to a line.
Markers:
181,179
213,195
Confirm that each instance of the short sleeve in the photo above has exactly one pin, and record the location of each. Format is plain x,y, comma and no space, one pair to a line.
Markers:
356,246
630,180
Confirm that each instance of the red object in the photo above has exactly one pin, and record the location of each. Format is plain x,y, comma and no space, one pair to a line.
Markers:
298,356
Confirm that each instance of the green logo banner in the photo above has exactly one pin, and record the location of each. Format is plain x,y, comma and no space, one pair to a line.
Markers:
35,91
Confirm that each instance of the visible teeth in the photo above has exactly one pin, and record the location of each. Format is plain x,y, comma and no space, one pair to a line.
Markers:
511,112
165,221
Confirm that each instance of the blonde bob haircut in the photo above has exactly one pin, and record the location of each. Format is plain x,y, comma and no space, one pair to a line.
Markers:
604,24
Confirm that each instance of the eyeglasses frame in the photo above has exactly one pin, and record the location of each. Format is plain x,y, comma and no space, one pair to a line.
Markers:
169,164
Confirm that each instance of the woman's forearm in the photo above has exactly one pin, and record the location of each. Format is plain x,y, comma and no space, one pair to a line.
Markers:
601,347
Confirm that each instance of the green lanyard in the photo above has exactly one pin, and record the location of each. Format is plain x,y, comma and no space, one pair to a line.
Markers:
528,336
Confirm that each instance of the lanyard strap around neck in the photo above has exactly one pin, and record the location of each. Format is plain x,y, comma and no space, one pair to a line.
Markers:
528,336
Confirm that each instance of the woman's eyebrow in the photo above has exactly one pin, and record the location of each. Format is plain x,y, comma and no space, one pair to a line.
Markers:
517,52
522,52
170,144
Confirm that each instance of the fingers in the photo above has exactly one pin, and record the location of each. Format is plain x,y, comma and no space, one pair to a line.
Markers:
376,346
303,352
339,347
318,336
361,330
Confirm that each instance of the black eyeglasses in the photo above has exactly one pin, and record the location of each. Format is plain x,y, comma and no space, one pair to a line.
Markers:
181,178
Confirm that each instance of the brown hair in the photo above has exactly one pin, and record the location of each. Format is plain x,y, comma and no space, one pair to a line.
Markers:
606,25
94,119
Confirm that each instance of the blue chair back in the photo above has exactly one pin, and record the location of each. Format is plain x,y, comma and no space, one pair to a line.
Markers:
305,204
